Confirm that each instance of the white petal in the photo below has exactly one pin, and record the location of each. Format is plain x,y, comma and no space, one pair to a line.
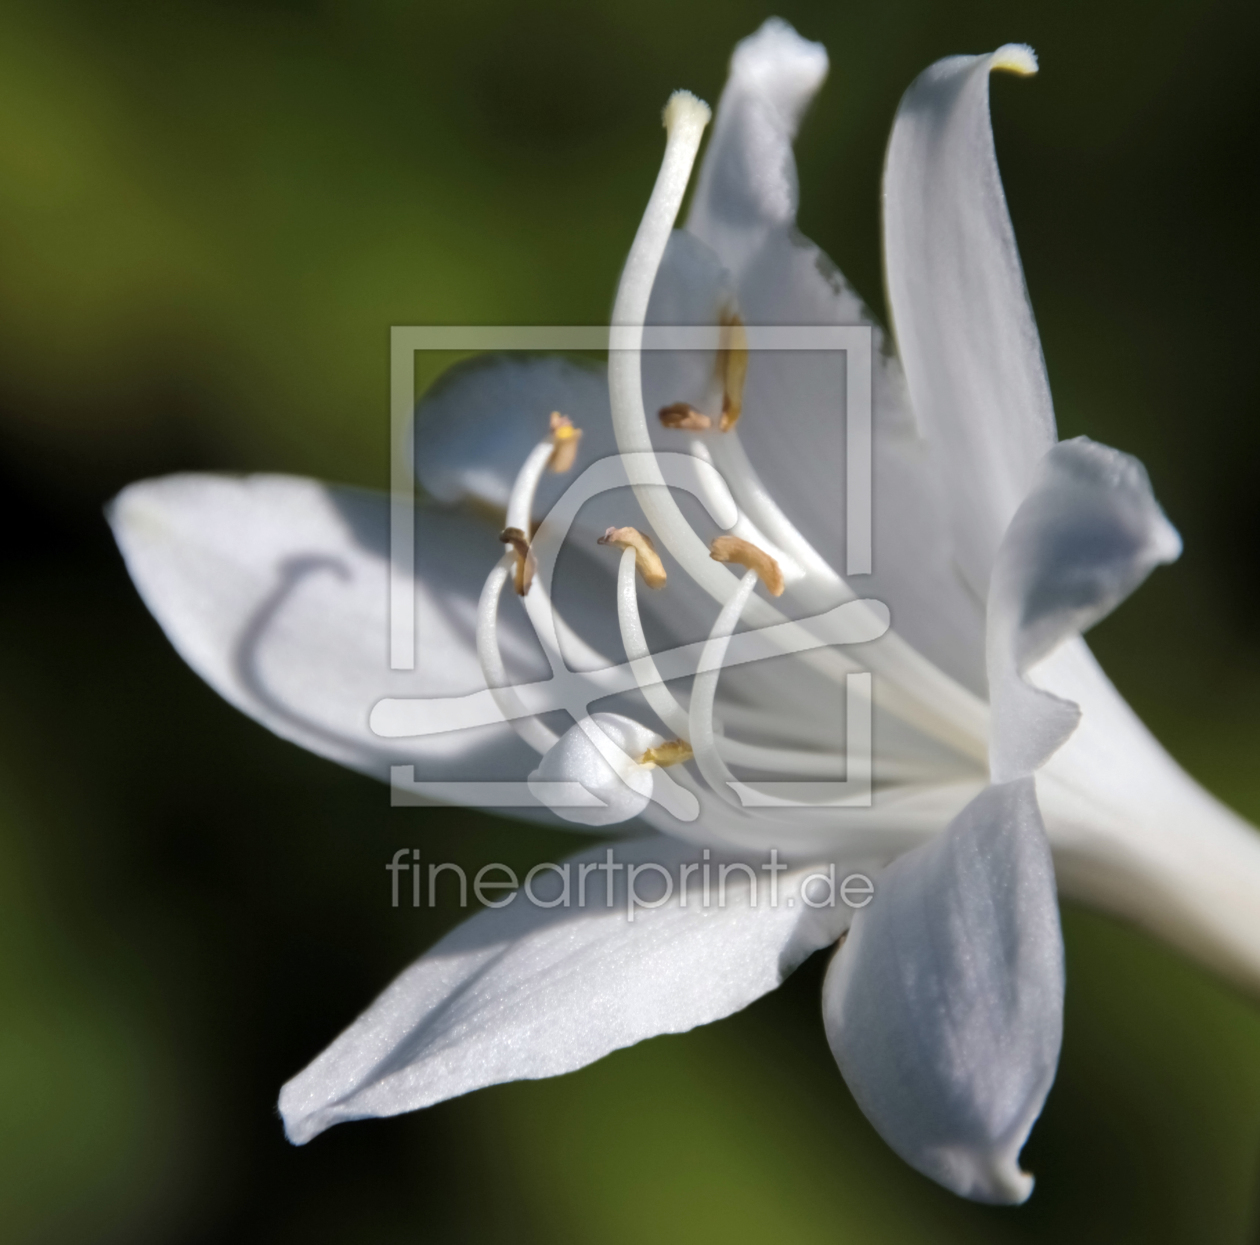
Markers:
1134,835
524,992
691,287
275,591
944,1007
477,424
748,179
1089,532
793,426
964,327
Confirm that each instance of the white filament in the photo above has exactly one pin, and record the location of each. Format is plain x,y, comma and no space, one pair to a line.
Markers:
704,691
520,507
535,733
779,760
639,655
685,119
940,712
754,499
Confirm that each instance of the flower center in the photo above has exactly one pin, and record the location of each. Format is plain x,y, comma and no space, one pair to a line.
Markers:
763,541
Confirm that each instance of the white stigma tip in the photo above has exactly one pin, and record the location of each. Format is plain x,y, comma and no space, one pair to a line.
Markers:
1017,58
686,109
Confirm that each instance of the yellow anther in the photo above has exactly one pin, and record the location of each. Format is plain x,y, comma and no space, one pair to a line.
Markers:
565,437
524,558
732,549
1016,58
685,416
672,753
732,368
646,559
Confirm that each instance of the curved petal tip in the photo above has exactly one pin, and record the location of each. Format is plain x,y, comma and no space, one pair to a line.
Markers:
781,67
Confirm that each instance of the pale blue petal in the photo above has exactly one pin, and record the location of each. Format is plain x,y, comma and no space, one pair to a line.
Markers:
1088,533
477,424
944,1006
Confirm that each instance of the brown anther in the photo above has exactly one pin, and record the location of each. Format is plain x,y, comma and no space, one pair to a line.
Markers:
565,437
524,558
646,559
672,753
732,368
685,416
732,549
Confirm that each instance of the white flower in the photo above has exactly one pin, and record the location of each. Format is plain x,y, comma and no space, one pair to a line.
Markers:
994,728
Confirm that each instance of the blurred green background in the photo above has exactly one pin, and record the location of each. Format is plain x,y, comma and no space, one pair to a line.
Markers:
210,215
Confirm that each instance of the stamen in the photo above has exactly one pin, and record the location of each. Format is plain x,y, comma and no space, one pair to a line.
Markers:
685,119
524,573
646,558
672,753
732,369
556,451
704,691
539,736
732,549
658,696
940,707
822,587
565,438
520,507
684,416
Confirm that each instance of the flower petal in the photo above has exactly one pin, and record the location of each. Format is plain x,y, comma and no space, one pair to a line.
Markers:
748,179
944,1007
964,327
522,991
793,427
476,426
473,410
275,591
1134,835
1088,533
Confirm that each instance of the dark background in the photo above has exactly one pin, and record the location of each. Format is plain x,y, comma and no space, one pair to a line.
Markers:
210,215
